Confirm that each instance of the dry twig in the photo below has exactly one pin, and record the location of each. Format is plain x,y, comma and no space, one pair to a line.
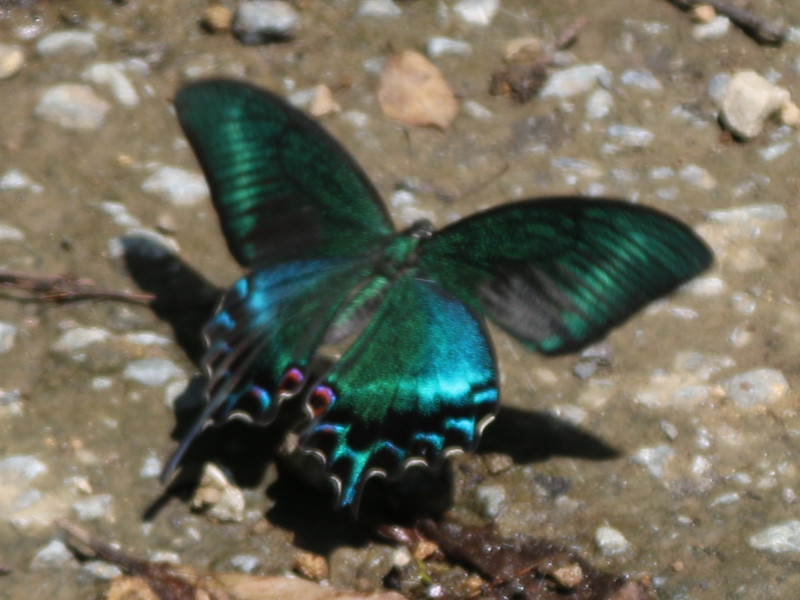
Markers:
59,289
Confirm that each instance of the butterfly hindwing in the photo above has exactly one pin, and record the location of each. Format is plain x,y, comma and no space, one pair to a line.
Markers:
559,273
263,335
419,381
283,188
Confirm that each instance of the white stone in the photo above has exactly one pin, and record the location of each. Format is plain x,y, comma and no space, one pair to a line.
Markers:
748,101
178,186
477,12
784,537
72,106
610,542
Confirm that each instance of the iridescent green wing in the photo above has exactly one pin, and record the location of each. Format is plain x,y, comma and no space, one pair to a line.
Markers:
419,381
263,336
558,273
283,187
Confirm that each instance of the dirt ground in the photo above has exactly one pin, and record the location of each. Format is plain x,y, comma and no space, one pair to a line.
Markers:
652,445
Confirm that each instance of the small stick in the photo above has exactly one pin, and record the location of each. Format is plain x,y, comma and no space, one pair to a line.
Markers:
60,289
758,28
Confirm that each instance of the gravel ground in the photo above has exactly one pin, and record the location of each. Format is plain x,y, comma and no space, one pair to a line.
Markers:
672,454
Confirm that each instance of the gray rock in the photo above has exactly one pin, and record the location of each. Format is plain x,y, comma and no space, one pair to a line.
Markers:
576,80
11,60
630,137
717,86
748,102
784,537
72,106
93,507
478,13
8,335
262,21
152,371
439,46
758,387
584,369
81,42
177,186
54,555
380,9
114,77
641,79
610,542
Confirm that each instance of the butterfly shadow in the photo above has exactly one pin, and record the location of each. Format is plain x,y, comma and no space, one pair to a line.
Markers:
535,436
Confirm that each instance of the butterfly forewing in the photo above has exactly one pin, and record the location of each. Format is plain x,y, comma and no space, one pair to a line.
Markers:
559,273
419,381
283,188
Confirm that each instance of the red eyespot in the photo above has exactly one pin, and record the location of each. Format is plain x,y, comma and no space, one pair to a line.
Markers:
320,399
291,382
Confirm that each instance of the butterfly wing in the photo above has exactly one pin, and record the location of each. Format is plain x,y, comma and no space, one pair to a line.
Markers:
296,207
558,273
263,336
419,381
283,187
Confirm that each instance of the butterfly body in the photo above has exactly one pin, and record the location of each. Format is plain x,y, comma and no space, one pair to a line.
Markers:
418,377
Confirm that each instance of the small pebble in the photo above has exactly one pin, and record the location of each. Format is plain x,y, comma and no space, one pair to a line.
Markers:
713,30
15,179
20,469
599,104
610,542
217,17
575,81
748,102
784,537
654,459
93,507
262,21
790,114
492,499
72,106
631,137
478,13
379,9
79,338
311,565
440,46
8,335
152,371
758,387
151,467
115,78
703,13
177,186
246,563
11,60
697,176
746,214
641,79
54,555
774,151
81,42
219,498
9,233
100,570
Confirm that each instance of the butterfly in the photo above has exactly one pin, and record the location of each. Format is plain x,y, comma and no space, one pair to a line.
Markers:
418,377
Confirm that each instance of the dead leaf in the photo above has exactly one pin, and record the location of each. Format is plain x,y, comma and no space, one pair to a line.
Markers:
413,91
